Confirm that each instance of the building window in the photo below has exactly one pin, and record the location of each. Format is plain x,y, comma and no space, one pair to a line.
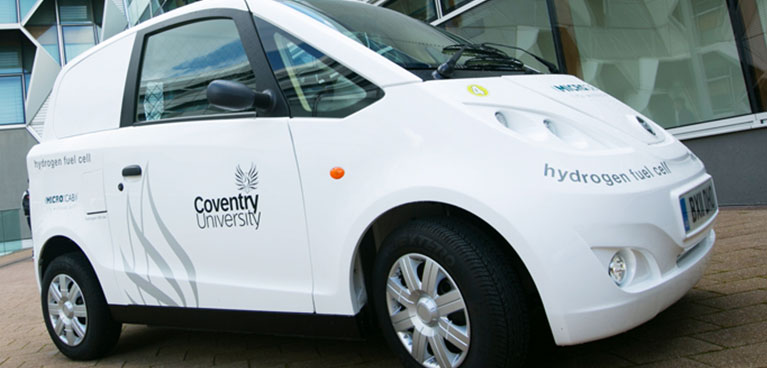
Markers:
44,28
450,5
75,11
523,24
15,68
78,26
676,62
11,101
8,12
25,6
753,35
11,10
418,9
76,40
142,10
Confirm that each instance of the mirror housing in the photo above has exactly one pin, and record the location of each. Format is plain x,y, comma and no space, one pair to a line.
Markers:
235,96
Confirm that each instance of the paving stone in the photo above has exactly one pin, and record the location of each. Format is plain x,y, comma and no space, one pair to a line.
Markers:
738,274
338,360
264,354
15,257
736,317
240,364
697,294
736,300
719,323
667,327
685,309
676,363
737,336
739,286
743,357
387,363
593,360
648,352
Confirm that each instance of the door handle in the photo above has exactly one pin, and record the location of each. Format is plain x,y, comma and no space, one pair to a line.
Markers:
132,170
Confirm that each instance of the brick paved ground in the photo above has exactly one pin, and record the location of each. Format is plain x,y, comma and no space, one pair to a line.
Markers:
722,322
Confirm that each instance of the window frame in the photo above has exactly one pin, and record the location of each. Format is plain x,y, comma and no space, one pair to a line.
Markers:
253,50
264,26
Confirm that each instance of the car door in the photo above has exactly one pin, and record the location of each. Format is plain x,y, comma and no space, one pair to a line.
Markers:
334,125
205,205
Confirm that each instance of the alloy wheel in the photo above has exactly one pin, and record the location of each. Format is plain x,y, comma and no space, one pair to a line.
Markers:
67,310
428,312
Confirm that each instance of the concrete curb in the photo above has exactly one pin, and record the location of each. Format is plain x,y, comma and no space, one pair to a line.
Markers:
16,257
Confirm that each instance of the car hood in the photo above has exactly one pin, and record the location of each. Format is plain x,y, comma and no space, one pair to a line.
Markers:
559,110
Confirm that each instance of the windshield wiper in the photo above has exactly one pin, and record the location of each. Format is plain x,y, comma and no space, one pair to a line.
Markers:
552,68
497,63
446,69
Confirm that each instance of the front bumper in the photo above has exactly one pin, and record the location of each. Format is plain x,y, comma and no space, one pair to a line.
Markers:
568,249
622,310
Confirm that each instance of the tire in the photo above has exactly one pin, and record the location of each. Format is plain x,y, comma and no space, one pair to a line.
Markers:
473,293
73,302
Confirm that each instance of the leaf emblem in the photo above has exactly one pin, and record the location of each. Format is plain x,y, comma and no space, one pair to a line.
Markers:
246,181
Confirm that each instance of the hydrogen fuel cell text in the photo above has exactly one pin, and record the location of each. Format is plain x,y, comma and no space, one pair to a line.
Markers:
606,178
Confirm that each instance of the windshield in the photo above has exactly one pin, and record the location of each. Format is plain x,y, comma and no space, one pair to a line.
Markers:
406,41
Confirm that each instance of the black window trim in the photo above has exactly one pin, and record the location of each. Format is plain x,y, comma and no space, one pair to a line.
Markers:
253,49
261,24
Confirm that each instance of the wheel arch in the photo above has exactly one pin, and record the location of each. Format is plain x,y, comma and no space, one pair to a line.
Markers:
54,247
370,241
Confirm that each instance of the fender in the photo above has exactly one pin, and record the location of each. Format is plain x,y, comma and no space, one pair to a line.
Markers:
532,260
102,267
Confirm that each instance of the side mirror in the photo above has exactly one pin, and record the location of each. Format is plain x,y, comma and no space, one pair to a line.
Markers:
235,96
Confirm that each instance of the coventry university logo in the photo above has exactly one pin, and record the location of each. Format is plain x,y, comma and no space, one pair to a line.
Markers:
229,209
246,181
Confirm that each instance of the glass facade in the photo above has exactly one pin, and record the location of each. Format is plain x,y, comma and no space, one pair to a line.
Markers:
75,11
8,11
10,231
43,26
25,6
678,62
77,39
78,28
141,10
11,101
16,57
424,10
64,29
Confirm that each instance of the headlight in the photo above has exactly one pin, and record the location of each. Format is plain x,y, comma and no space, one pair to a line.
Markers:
617,269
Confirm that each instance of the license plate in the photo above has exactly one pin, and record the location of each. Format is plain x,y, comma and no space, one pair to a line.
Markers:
698,206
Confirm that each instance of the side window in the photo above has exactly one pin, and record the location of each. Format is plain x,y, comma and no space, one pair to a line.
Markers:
178,64
313,83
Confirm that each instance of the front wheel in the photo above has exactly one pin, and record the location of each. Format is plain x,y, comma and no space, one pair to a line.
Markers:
445,296
75,310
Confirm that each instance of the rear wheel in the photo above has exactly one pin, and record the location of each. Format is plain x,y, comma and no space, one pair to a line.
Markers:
75,310
445,296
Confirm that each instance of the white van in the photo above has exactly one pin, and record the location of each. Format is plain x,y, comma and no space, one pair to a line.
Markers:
292,166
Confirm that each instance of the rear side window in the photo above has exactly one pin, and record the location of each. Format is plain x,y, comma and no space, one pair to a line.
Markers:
313,83
178,64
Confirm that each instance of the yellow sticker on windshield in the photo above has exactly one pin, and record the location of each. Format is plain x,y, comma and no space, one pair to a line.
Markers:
477,90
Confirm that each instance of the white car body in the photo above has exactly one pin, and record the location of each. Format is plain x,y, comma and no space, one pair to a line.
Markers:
566,195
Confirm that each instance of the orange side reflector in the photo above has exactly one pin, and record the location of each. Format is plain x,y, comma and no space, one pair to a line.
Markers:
337,173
